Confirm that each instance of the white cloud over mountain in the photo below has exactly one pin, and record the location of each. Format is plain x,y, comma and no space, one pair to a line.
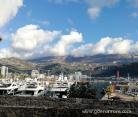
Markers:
6,52
107,45
31,41
8,10
63,45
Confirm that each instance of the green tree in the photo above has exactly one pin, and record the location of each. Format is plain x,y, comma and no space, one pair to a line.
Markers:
109,90
82,90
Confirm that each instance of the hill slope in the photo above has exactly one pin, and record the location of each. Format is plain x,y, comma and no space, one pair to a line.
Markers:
69,64
102,59
17,65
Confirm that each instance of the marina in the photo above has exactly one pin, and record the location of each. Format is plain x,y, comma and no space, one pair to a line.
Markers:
58,86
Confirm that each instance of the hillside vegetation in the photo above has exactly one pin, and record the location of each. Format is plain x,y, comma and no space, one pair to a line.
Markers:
90,66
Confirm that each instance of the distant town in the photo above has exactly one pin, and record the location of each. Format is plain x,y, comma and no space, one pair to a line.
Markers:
34,83
60,86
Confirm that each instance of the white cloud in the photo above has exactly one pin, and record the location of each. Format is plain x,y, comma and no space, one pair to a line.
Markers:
83,50
134,14
134,3
8,10
44,22
29,13
101,3
32,41
62,1
31,37
96,6
135,48
107,45
70,21
63,45
8,52
94,12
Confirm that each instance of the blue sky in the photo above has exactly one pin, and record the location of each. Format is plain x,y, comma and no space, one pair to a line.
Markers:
85,27
115,21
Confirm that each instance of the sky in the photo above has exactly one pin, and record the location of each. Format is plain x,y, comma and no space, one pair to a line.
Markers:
39,28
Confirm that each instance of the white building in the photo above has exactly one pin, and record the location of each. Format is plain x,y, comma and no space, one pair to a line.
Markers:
133,88
78,76
41,75
35,74
4,71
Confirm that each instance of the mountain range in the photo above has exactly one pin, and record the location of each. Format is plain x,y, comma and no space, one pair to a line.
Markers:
101,59
68,64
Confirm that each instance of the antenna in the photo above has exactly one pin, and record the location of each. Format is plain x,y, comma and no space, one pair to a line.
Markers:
128,76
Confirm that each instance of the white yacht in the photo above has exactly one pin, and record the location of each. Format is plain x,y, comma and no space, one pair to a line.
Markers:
8,88
31,89
59,87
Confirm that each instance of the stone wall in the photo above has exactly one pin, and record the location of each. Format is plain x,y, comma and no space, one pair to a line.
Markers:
12,106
